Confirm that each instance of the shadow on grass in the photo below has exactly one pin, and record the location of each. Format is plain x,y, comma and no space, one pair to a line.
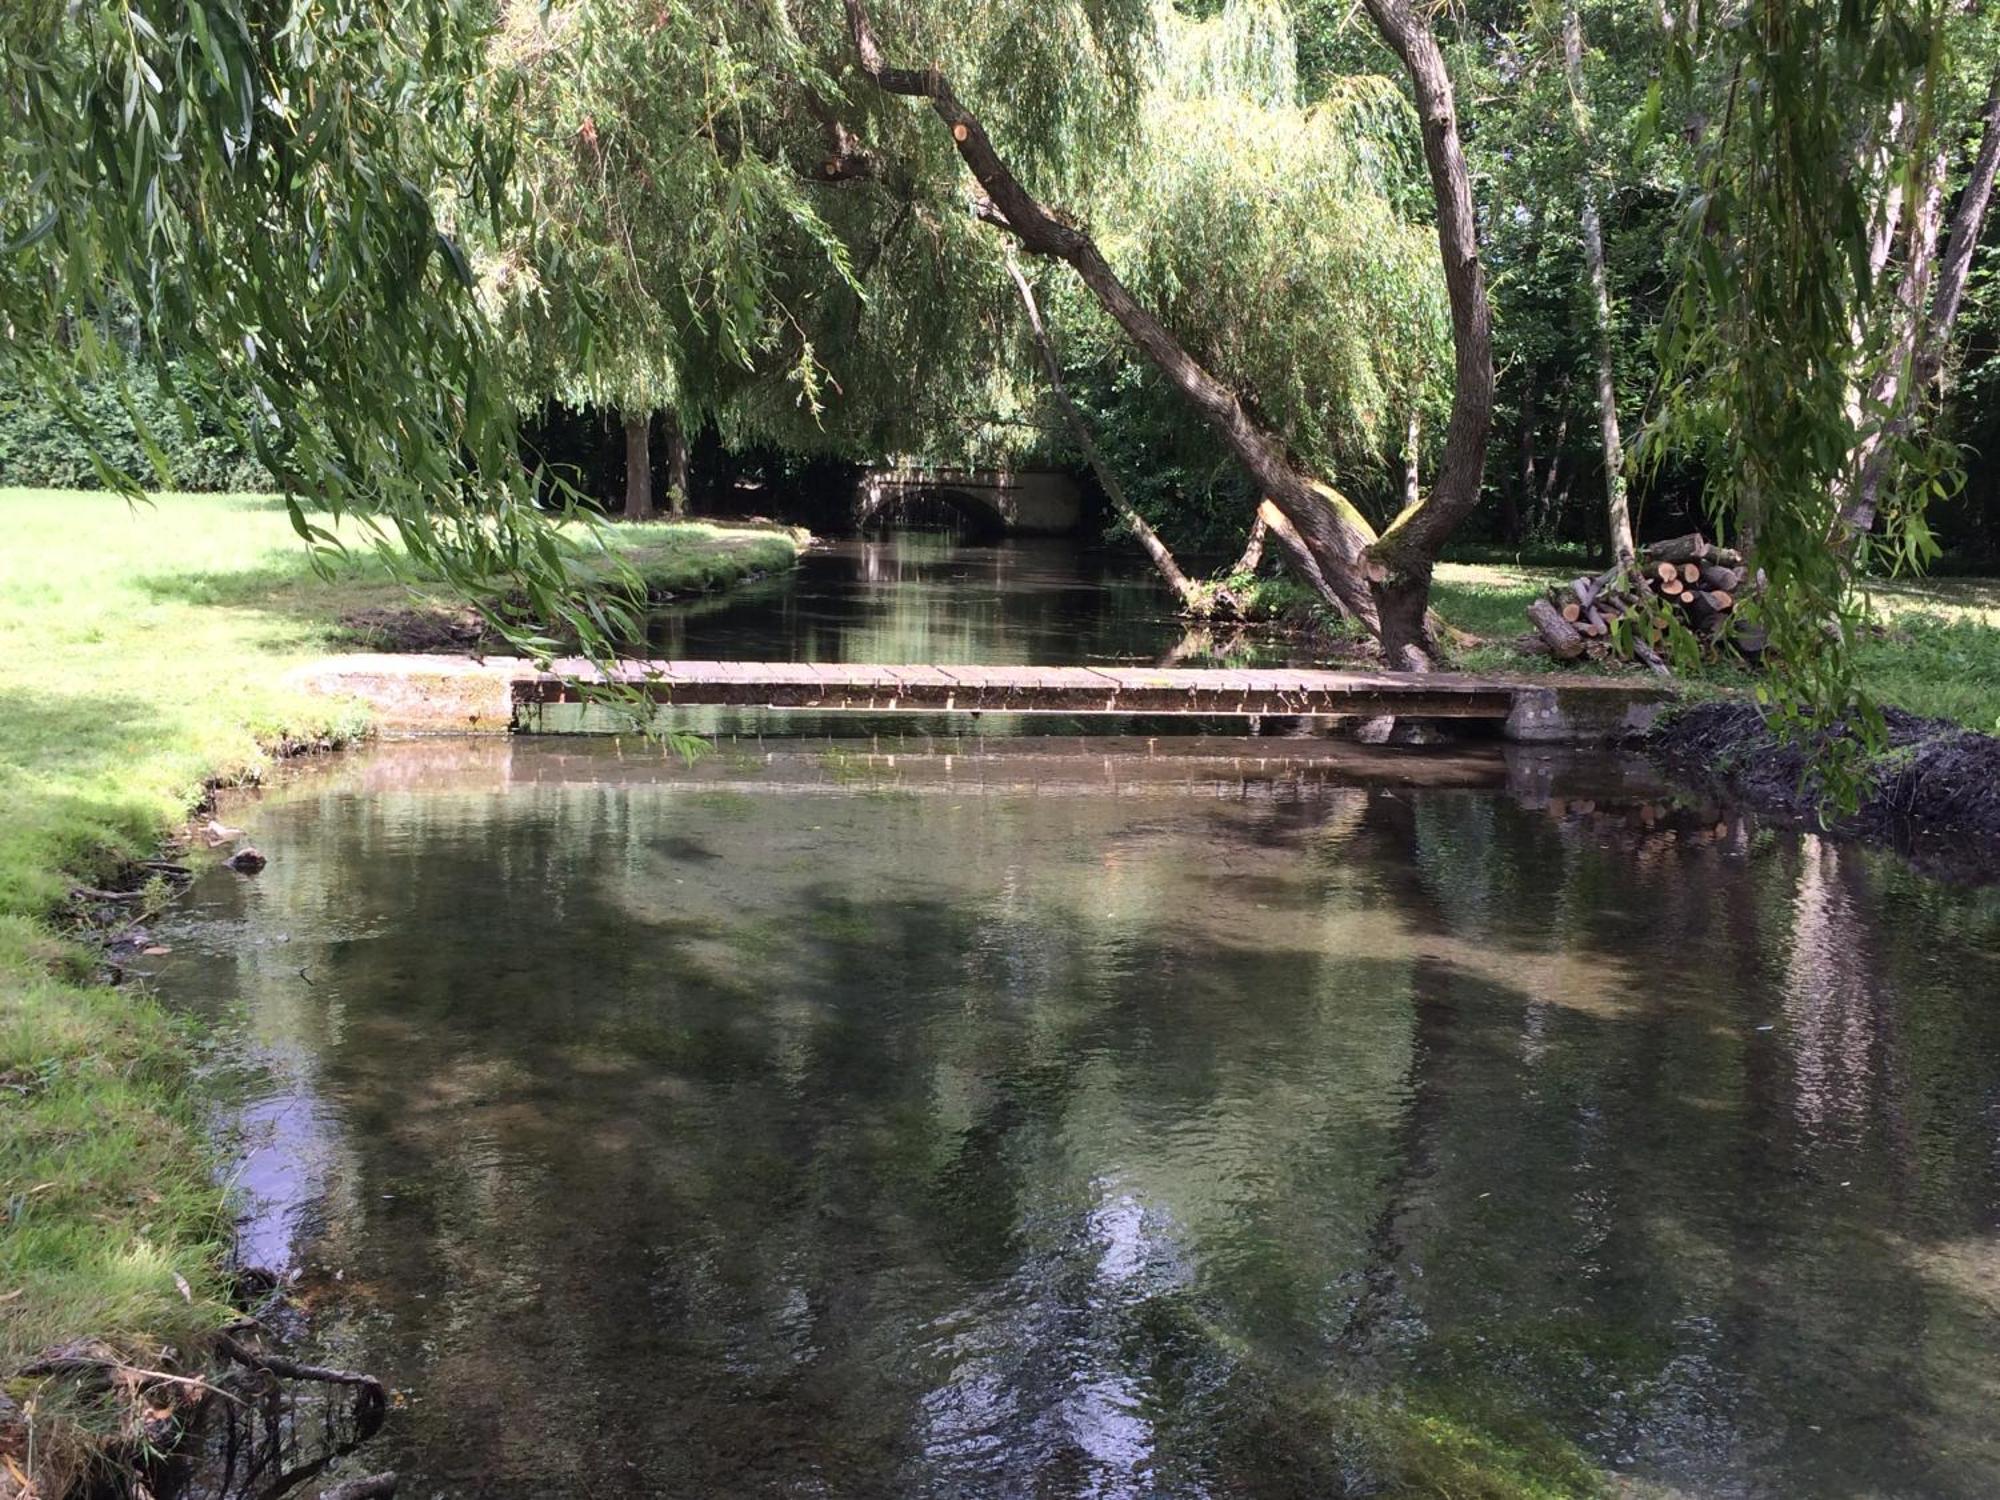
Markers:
74,736
283,584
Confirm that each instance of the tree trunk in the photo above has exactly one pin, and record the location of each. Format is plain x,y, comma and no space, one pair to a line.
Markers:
1520,505
639,467
677,466
1413,436
1404,556
1618,512
1190,596
1360,571
1253,547
1336,534
1928,330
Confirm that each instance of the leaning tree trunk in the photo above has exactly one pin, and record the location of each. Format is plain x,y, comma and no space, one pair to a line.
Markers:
1335,533
1253,547
1191,600
1401,562
1618,512
639,467
677,466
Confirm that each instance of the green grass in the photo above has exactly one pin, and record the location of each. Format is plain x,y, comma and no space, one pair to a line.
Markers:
1936,652
144,649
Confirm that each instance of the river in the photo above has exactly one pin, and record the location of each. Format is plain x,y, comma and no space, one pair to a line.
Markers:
1069,1117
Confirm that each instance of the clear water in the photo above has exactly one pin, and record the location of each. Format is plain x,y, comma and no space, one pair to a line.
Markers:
1063,1119
917,596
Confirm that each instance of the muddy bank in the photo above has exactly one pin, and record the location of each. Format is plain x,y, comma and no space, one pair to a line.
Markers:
1934,791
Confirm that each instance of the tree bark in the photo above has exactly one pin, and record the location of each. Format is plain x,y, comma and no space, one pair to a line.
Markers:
1279,525
1618,513
1927,341
1337,535
1402,560
1190,596
1253,547
639,467
1413,437
677,466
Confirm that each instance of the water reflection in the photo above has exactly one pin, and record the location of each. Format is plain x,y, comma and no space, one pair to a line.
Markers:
914,596
1058,1119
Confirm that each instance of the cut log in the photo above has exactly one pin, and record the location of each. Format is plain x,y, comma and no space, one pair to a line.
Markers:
1719,600
1572,612
1667,572
1586,590
1690,573
1680,549
1727,579
1564,640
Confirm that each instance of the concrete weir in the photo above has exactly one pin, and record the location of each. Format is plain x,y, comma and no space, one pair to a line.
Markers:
456,695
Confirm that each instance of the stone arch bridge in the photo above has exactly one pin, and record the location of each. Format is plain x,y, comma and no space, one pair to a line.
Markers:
1034,501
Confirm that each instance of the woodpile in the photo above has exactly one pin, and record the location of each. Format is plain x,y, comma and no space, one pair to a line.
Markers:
1628,612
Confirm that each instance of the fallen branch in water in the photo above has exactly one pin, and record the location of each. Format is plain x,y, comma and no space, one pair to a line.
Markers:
374,1399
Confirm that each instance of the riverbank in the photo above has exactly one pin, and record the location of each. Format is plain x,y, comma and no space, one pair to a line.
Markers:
147,649
1933,789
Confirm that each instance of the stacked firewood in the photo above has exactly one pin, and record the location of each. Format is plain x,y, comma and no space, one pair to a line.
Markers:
1628,611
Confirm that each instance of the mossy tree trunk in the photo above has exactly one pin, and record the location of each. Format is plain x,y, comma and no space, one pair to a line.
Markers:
1334,531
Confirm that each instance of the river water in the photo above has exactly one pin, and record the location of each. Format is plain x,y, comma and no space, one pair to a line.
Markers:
918,596
1071,1117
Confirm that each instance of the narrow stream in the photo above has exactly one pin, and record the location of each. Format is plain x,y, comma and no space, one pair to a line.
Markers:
1064,1117
933,596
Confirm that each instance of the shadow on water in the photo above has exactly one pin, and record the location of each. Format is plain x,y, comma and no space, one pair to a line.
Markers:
652,1133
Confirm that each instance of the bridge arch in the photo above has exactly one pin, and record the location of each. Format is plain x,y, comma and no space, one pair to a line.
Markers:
1045,501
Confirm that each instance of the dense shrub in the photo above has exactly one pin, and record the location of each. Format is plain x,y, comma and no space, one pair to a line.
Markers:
41,449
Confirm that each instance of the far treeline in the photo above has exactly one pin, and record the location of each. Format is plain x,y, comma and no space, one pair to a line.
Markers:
1364,281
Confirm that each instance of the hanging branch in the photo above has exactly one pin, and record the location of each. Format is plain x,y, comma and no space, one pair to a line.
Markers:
1194,600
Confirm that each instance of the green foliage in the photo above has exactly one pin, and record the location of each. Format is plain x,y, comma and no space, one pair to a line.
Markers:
41,448
279,198
1274,238
1760,340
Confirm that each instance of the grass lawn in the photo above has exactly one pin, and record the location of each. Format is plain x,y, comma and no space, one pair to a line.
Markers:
1936,653
143,648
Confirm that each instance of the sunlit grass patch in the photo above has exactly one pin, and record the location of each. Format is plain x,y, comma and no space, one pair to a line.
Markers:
145,648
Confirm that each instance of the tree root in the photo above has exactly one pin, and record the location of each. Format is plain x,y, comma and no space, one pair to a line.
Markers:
370,1405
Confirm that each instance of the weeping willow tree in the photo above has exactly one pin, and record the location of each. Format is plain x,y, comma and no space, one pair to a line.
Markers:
1381,580
1791,340
1275,242
663,250
274,200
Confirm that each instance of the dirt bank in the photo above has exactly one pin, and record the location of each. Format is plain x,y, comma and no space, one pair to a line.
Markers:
1934,791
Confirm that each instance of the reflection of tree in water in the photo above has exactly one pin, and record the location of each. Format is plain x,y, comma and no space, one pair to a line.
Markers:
1067,1144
